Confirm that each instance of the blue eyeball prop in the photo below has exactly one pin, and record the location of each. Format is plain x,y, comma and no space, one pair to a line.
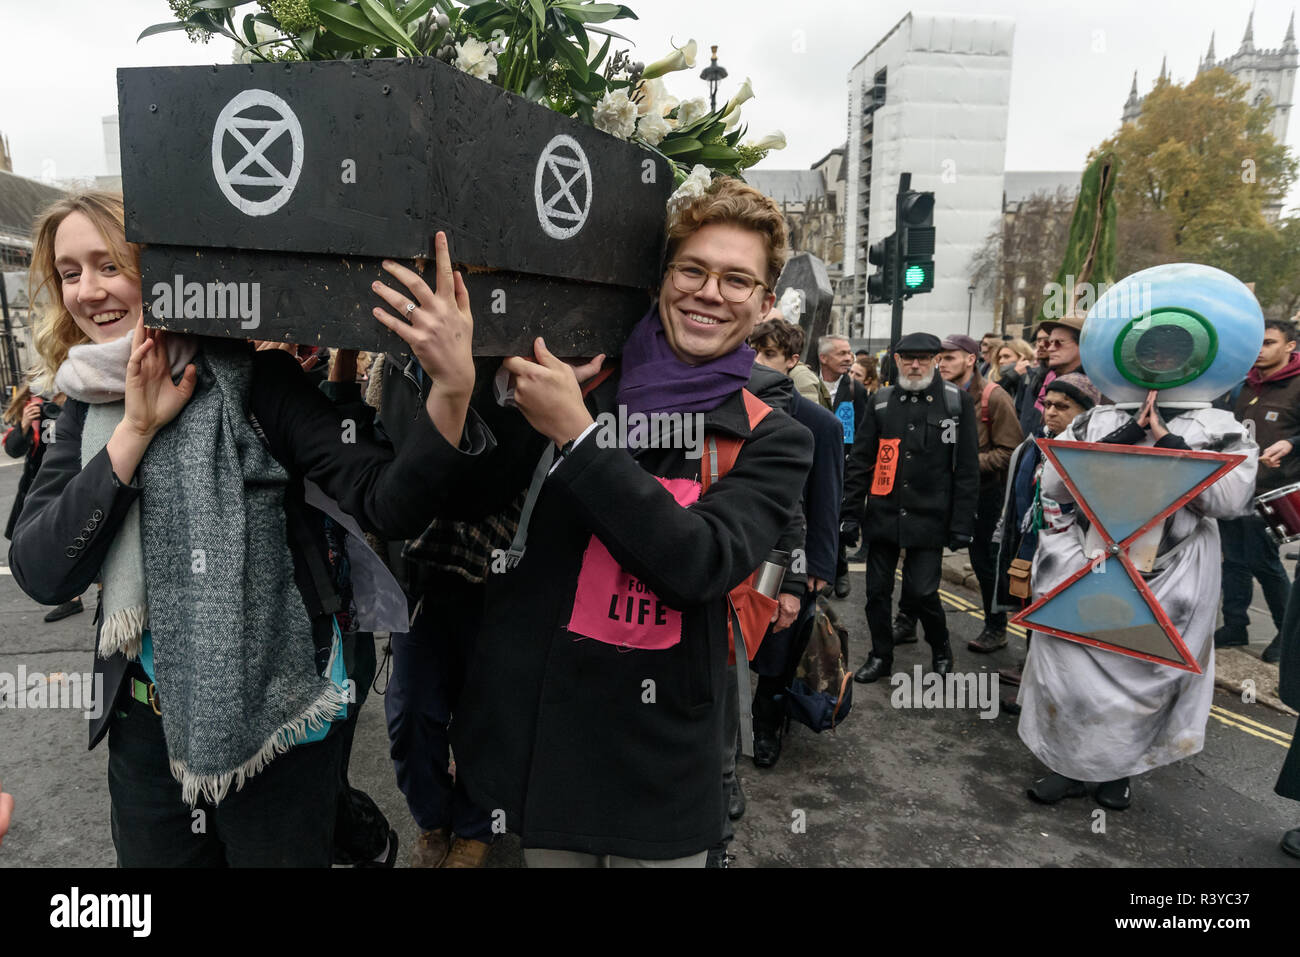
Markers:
1190,331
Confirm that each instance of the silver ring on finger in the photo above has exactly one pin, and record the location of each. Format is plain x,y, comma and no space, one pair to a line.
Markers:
410,308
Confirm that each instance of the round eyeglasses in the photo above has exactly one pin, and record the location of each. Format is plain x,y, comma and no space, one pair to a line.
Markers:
733,286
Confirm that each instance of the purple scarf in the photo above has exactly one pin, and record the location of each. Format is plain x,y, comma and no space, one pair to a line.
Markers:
655,380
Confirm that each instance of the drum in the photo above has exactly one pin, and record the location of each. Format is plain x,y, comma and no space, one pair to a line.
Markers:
1280,510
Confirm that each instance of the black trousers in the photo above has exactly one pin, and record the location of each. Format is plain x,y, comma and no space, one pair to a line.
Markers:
921,575
984,551
282,817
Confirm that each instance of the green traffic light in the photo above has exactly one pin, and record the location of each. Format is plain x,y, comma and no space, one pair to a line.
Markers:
914,277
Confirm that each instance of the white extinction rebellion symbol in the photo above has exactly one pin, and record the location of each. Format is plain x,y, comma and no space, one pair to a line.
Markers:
558,208
231,123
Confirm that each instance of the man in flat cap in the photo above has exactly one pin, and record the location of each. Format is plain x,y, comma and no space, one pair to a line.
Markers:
915,466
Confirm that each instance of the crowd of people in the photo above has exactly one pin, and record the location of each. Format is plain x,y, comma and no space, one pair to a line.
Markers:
572,624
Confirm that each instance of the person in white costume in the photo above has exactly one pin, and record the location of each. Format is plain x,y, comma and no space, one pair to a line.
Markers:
1092,715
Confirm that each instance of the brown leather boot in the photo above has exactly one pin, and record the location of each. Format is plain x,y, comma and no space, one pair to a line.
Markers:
467,853
431,849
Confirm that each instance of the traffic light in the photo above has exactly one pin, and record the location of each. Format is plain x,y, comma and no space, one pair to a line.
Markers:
916,242
882,285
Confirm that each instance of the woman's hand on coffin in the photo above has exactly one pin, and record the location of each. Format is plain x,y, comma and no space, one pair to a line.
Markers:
152,399
437,325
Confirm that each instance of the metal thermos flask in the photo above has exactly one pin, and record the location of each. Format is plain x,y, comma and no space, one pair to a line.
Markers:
771,573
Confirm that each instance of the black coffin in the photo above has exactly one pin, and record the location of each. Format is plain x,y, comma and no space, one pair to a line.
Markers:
301,177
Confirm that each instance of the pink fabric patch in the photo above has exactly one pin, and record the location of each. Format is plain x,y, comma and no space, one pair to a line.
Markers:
612,606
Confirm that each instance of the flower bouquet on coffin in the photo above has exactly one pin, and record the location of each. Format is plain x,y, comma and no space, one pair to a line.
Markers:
488,120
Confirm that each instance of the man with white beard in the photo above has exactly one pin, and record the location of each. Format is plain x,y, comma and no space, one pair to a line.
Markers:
915,464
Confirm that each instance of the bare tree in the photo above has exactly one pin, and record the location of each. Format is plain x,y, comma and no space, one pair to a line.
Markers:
1020,256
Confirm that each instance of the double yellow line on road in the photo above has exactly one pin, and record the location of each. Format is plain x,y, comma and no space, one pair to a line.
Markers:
1242,723
1224,716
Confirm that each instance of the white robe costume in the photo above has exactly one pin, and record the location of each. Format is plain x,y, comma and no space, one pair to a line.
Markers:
1096,715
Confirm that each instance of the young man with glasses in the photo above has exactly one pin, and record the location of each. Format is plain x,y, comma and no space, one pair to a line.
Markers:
592,715
915,465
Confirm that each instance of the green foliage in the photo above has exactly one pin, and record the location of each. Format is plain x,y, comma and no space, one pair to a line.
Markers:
1199,174
542,50
1202,157
1090,248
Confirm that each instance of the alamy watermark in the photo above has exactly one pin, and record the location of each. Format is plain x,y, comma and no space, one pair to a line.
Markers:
38,691
654,430
955,690
75,910
1063,299
214,300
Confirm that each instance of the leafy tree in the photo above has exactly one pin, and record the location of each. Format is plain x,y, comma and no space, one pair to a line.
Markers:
1201,158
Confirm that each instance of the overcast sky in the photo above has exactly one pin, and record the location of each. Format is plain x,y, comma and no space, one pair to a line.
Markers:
1072,65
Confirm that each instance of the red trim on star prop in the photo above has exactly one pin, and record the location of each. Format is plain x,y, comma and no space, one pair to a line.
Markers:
1228,461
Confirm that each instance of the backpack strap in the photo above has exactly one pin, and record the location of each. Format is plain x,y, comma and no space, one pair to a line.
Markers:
724,450
952,400
879,402
984,401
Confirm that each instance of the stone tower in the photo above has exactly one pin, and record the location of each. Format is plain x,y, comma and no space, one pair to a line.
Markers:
1270,75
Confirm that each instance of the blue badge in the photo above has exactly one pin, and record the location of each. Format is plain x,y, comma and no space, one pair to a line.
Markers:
844,412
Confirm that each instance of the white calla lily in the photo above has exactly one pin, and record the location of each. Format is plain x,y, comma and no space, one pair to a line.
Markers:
682,58
746,93
772,141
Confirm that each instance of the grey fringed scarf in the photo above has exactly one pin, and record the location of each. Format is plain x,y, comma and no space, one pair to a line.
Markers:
233,651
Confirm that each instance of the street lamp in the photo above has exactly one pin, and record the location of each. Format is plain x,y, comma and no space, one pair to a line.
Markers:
970,305
713,75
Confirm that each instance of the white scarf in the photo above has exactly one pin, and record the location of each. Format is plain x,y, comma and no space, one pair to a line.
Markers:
95,373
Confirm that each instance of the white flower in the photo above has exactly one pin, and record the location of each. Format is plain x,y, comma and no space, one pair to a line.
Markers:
615,114
474,57
263,32
652,128
746,93
696,184
654,98
682,58
791,305
772,141
691,110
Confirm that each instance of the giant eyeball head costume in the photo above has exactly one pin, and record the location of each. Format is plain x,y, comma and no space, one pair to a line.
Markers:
1190,331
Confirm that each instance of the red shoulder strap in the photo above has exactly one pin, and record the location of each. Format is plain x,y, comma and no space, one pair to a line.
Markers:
984,400
728,447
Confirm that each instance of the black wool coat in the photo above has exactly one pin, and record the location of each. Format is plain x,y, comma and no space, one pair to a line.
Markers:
582,745
936,486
